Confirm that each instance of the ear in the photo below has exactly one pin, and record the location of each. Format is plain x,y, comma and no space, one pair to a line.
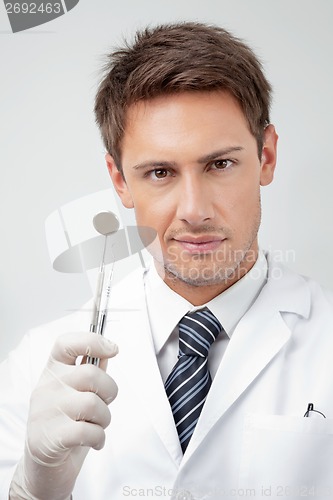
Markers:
119,182
269,155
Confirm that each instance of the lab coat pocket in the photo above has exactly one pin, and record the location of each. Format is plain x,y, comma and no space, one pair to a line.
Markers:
287,457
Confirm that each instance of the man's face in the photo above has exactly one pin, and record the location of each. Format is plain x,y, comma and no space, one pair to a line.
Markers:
192,173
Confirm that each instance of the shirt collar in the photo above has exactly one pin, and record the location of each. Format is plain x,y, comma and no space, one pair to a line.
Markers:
166,307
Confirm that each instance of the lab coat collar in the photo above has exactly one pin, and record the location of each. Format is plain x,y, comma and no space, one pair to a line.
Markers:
285,291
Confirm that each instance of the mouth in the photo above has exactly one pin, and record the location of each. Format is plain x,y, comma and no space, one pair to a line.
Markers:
199,244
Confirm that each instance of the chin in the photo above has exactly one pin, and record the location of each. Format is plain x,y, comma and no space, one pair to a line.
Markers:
199,277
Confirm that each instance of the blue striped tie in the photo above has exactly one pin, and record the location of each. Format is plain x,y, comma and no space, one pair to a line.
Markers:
189,382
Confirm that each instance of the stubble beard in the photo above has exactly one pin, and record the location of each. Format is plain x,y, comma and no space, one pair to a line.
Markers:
215,272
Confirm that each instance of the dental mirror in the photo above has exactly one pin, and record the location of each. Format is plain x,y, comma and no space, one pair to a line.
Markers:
106,223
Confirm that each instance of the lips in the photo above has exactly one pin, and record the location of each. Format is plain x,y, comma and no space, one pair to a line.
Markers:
199,244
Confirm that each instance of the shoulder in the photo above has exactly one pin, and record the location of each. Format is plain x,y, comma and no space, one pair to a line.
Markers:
295,292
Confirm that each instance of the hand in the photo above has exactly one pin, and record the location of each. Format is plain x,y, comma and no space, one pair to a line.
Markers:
68,414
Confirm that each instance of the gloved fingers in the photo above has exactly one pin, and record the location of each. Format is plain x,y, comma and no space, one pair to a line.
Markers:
87,407
81,433
89,378
103,363
69,346
68,414
53,444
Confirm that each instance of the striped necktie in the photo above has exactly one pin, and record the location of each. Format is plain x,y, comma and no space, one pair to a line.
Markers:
188,383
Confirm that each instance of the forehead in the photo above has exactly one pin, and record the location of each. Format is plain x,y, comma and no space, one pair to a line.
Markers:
187,120
181,105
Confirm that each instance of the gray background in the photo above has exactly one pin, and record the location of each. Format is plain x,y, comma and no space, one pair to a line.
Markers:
51,152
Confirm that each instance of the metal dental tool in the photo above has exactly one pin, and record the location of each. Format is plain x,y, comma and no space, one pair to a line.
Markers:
105,223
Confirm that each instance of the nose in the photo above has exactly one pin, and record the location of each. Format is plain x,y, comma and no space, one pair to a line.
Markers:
195,205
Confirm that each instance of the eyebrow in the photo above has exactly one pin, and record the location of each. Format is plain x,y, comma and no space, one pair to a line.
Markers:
203,159
221,152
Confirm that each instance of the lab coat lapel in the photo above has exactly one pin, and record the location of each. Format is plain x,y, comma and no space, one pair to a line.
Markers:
257,339
138,365
250,350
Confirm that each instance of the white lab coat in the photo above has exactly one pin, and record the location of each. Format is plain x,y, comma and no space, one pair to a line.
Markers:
251,441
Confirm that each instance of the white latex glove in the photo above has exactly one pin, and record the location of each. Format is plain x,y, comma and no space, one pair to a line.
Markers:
68,414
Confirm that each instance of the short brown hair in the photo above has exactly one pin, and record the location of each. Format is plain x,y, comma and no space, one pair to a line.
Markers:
175,58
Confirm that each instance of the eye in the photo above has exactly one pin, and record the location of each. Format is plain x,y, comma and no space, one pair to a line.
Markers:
160,173
221,164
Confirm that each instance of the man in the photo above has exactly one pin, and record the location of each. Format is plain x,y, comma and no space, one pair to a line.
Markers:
184,115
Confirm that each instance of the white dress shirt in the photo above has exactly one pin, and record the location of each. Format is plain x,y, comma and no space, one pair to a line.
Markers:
166,308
